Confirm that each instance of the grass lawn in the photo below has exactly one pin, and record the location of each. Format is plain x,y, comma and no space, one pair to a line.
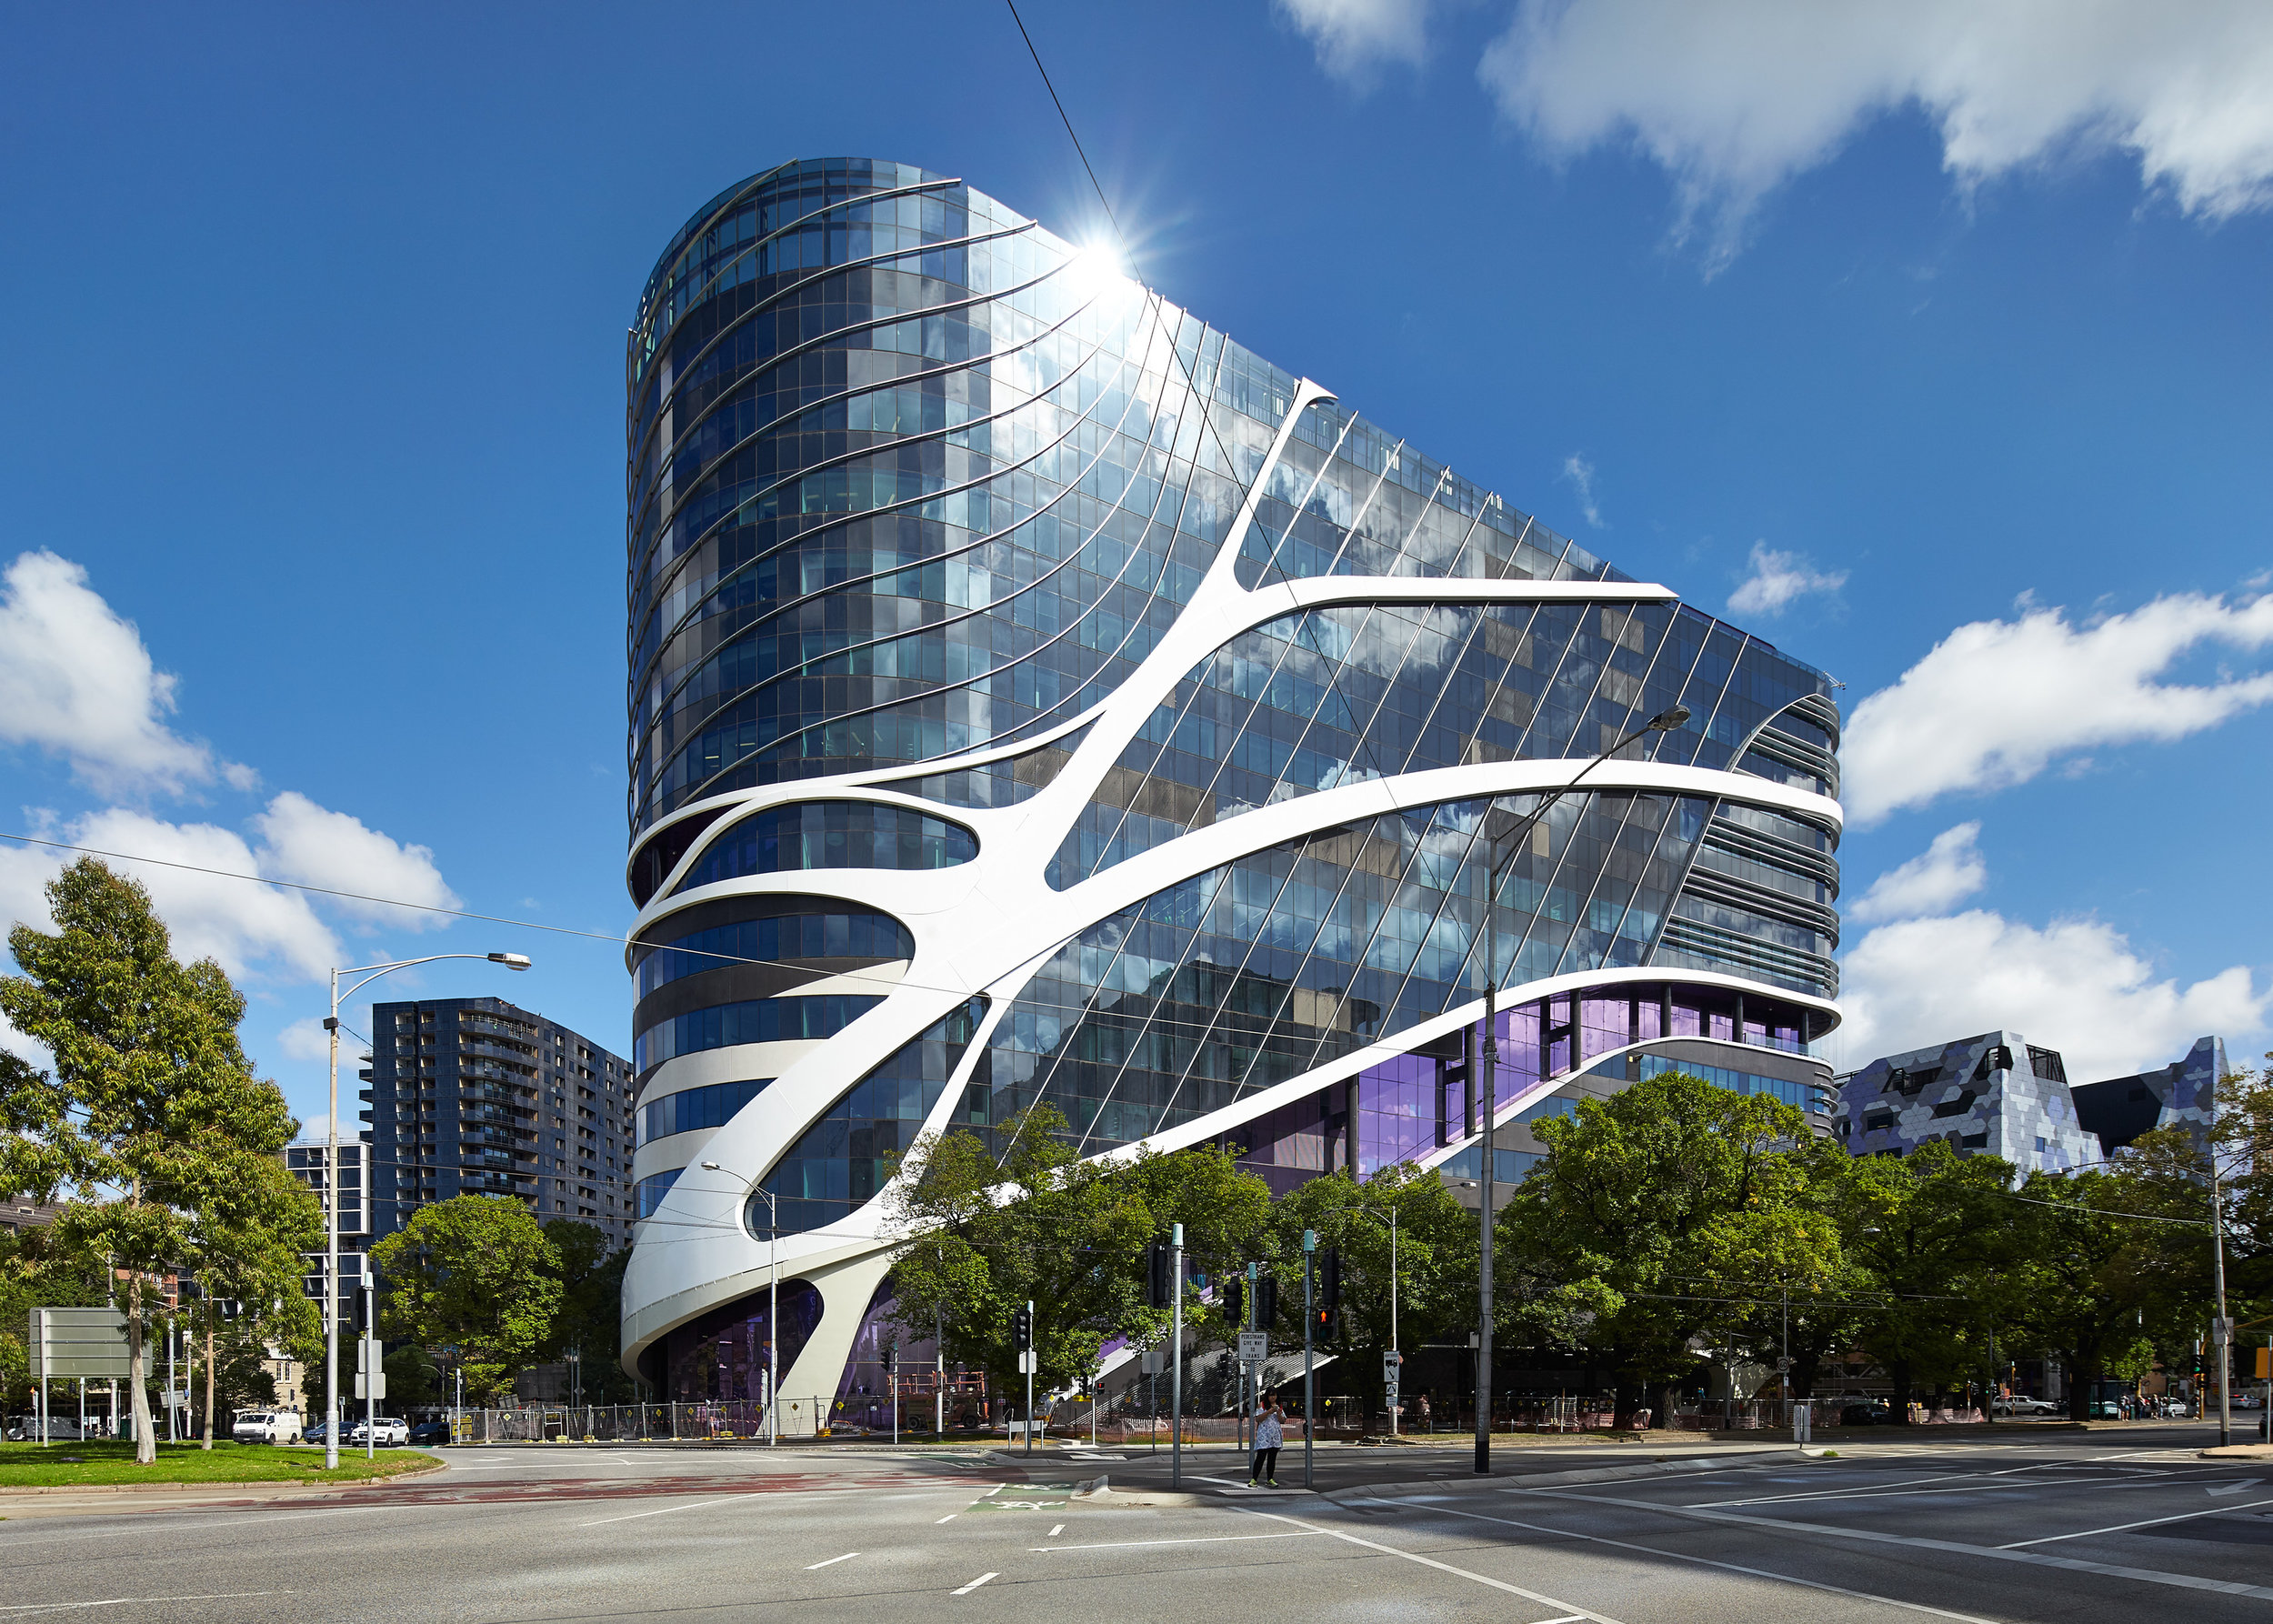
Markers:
29,1466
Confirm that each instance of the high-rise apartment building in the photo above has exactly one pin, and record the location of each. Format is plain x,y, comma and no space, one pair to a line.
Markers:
480,1097
307,1161
1038,698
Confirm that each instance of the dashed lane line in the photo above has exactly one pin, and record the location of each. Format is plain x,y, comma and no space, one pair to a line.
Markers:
61,1607
1409,1556
832,1562
2185,1581
2150,1522
975,1584
1787,1579
1197,1539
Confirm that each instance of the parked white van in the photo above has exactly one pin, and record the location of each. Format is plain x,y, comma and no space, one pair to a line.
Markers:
267,1427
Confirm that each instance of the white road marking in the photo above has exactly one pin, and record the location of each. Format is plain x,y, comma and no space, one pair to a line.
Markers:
1391,1550
2234,1488
832,1562
2149,1523
1709,1563
998,1489
974,1585
1055,1531
666,1510
1204,1539
2185,1581
57,1607
950,1516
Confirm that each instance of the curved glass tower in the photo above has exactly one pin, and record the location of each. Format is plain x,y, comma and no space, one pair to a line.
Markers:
1037,697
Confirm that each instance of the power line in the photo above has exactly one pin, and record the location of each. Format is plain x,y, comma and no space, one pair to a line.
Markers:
1065,119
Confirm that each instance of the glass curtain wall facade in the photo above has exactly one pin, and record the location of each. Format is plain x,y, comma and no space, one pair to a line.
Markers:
1035,697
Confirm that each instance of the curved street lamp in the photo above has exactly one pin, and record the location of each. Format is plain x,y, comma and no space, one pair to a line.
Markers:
772,1305
370,973
1672,716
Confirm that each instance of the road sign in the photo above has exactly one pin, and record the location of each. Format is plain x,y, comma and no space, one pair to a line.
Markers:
68,1342
1254,1347
376,1384
1389,1363
2221,1332
1025,1362
1783,1366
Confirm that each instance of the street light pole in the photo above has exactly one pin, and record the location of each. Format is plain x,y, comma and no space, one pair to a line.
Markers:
1672,716
773,1310
370,973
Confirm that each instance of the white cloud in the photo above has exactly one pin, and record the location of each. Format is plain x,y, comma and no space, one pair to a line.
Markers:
1580,473
307,1040
1946,873
1777,578
1732,98
303,841
2076,986
75,681
242,926
1354,38
1996,701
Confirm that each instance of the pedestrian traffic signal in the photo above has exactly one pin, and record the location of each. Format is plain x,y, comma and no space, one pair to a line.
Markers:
1330,1278
1234,1299
1021,1330
1265,1303
1325,1320
1160,1271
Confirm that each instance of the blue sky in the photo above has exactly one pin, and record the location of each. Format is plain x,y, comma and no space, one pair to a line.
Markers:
1943,347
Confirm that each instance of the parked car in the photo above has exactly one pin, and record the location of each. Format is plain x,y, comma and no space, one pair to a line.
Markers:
267,1427
1860,1415
430,1432
2020,1404
387,1430
2106,1409
316,1433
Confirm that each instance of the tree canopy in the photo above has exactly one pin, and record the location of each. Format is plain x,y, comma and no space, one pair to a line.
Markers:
152,1115
475,1274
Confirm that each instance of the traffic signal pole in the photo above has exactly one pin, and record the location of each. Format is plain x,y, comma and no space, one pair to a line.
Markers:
1029,1376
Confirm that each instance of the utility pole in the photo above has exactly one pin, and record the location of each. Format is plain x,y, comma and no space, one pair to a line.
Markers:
939,1361
1393,1341
1672,716
1309,1324
2222,1330
1175,1352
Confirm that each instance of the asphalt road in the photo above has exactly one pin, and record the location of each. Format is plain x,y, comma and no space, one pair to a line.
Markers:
2074,1528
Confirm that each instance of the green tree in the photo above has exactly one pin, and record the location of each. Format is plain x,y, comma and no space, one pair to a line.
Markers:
590,1320
1435,1244
983,1237
151,1103
1647,1207
1937,1234
475,1274
2105,1262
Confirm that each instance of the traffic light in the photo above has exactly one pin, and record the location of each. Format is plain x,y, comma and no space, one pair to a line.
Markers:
1021,1328
1330,1278
1160,1270
1235,1300
1265,1303
1325,1322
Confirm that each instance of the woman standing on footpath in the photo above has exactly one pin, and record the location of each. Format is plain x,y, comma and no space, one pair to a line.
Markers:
1269,1436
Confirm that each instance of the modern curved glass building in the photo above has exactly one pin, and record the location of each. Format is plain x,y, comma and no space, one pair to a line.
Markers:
1037,697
